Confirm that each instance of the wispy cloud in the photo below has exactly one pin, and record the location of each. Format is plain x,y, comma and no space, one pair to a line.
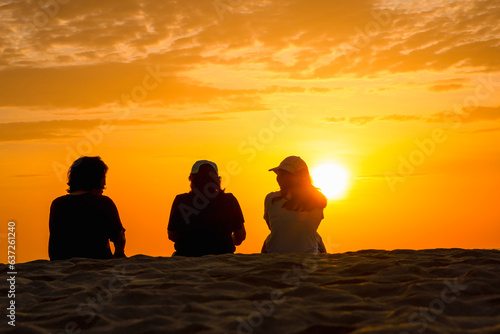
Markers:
468,115
57,129
89,53
486,130
445,88
97,85
186,34
471,115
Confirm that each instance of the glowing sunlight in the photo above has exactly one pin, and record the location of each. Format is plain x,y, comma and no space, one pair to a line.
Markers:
331,178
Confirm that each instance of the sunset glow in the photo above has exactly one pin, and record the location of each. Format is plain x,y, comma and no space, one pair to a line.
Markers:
331,178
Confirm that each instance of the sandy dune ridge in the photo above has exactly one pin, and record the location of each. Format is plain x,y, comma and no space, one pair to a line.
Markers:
370,291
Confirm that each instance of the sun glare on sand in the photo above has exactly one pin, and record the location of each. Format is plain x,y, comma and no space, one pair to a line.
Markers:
331,178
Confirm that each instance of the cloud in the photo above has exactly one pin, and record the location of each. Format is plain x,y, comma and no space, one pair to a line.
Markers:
87,54
361,120
96,85
486,130
124,29
336,119
92,86
17,131
467,115
400,118
385,176
396,38
424,38
57,129
445,88
445,85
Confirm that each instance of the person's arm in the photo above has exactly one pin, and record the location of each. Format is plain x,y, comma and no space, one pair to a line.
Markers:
175,220
266,215
239,235
120,245
116,231
53,255
264,248
267,222
321,245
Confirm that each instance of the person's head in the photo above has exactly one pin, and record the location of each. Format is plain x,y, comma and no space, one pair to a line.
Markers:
294,180
292,172
87,174
205,177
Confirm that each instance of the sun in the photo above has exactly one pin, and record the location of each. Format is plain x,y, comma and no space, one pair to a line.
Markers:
331,178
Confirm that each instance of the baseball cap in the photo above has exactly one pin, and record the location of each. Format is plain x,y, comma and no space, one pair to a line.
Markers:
196,167
291,164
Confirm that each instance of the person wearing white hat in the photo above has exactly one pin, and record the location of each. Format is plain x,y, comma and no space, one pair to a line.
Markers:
294,213
206,220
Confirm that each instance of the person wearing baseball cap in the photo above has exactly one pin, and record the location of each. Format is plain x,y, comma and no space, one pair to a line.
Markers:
196,166
291,164
294,213
207,220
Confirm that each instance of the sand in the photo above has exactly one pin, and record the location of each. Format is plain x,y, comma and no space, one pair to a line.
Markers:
371,291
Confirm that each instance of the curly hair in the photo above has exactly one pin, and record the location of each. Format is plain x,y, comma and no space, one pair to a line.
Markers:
86,174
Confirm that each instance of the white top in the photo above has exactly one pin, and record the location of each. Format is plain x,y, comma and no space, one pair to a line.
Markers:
291,231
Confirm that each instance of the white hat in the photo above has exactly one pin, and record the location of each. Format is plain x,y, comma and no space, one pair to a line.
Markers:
196,167
291,164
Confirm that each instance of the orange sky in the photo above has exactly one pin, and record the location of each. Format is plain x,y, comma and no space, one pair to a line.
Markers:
403,94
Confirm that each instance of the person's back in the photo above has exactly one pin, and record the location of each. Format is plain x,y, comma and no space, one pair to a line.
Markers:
83,222
208,232
291,231
206,220
82,225
294,213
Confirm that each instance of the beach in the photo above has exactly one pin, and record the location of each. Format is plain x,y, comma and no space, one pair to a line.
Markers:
369,291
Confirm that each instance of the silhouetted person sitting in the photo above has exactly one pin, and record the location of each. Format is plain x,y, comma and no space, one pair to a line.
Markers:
293,214
82,222
206,220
